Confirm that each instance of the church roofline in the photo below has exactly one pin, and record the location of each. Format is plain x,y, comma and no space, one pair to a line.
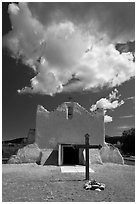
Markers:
40,108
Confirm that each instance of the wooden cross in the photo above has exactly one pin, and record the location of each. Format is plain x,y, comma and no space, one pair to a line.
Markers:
87,146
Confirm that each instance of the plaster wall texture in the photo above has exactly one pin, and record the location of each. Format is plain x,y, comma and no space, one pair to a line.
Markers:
31,136
53,128
28,154
111,154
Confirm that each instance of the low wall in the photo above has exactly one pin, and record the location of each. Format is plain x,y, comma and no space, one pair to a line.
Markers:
111,154
32,154
28,154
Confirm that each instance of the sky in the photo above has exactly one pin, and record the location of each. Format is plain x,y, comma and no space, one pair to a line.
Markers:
53,50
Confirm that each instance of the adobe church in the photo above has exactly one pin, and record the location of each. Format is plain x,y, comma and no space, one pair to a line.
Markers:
59,131
58,134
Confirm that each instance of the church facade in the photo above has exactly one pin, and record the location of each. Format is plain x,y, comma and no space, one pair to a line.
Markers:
58,132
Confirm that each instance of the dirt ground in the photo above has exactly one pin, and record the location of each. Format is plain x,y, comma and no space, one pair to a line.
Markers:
34,183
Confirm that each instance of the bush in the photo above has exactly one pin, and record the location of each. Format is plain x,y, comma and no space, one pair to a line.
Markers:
128,140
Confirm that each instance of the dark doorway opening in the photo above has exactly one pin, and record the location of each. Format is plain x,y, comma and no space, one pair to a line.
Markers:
70,156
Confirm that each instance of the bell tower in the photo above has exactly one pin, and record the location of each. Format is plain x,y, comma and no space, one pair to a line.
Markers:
70,108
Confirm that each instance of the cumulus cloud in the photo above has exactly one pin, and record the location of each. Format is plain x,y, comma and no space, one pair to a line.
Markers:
110,103
113,19
107,119
13,8
67,50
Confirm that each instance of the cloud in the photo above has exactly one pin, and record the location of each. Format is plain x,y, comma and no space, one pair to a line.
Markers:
108,104
107,119
124,127
59,41
113,19
13,8
111,103
127,116
130,98
46,83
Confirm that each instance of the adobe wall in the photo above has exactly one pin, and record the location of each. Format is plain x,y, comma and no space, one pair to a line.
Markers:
31,136
53,128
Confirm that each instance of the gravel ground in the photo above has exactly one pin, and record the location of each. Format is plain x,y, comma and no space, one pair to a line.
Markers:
33,183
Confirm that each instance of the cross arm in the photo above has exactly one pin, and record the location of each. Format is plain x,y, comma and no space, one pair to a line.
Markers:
88,146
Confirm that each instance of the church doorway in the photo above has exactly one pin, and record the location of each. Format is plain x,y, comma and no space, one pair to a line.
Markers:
68,155
71,156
